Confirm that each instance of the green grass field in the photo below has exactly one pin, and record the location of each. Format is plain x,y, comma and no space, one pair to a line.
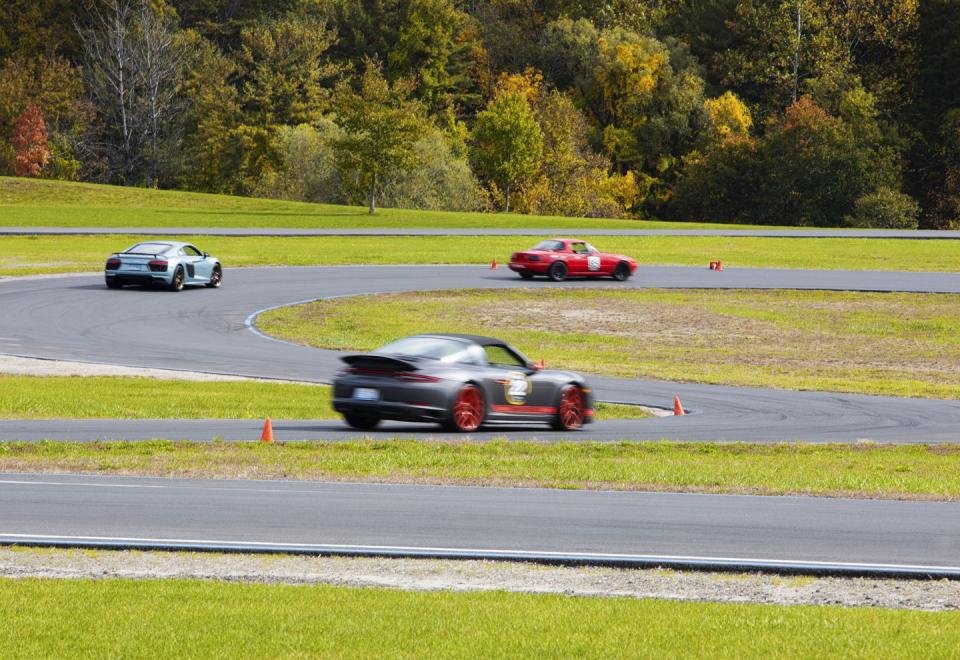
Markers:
34,202
190,618
834,470
28,255
108,397
872,343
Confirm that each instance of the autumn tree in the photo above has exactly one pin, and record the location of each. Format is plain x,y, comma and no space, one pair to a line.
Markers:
381,124
809,169
508,142
728,118
29,140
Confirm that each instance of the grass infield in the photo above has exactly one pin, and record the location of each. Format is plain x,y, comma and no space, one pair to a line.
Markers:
191,618
109,397
871,343
833,470
30,255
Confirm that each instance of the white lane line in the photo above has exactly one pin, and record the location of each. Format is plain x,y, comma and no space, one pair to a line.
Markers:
484,551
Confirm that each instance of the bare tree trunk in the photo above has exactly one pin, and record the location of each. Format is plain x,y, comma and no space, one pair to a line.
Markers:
796,52
161,60
506,201
373,192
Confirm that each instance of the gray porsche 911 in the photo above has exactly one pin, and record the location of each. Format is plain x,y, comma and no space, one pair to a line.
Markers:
459,381
170,263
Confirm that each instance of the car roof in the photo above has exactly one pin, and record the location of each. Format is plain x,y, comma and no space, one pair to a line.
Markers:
473,339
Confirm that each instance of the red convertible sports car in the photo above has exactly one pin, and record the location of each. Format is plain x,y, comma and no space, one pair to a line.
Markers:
559,258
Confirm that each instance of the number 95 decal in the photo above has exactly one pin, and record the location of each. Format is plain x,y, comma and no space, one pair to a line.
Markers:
517,388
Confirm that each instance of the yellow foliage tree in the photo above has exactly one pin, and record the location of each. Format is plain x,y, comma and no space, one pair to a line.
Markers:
729,118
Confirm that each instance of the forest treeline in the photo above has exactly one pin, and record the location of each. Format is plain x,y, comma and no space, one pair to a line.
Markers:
788,112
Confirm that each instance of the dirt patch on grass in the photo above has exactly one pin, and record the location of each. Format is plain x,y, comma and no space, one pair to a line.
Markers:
438,575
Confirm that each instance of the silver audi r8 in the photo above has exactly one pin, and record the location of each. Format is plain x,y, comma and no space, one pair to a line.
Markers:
459,381
170,263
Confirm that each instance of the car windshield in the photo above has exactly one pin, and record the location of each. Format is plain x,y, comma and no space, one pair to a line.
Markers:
436,348
549,245
148,248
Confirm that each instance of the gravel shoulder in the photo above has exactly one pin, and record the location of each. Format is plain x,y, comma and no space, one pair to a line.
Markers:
439,575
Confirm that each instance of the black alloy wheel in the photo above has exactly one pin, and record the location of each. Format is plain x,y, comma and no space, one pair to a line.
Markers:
557,271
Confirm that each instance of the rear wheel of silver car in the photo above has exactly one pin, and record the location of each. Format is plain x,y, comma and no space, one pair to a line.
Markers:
557,271
216,278
621,272
361,421
113,283
176,284
570,412
468,410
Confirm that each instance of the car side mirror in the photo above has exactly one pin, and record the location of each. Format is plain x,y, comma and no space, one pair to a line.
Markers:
206,255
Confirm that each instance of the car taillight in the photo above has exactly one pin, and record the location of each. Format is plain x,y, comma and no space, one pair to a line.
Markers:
113,264
516,256
158,266
405,376
418,378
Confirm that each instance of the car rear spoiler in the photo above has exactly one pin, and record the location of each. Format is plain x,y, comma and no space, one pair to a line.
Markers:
371,361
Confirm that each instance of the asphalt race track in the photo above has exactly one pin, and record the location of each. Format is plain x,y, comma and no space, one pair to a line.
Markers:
800,534
77,318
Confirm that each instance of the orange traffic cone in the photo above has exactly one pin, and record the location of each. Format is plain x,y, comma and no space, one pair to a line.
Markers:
543,364
493,264
678,407
267,435
719,265
713,265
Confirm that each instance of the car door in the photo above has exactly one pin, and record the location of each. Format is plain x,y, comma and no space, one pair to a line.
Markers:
514,389
200,266
579,260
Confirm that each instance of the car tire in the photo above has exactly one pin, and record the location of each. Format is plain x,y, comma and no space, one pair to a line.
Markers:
526,276
176,282
621,272
216,278
570,410
467,411
557,271
361,421
113,283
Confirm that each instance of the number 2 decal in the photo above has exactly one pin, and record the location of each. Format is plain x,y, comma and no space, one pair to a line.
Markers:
517,388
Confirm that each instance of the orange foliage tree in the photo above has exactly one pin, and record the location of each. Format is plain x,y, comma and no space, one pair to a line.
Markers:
29,139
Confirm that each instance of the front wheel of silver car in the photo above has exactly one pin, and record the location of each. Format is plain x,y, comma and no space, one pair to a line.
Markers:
176,284
216,278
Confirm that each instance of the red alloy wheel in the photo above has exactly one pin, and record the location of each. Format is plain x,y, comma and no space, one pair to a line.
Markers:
570,414
468,409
